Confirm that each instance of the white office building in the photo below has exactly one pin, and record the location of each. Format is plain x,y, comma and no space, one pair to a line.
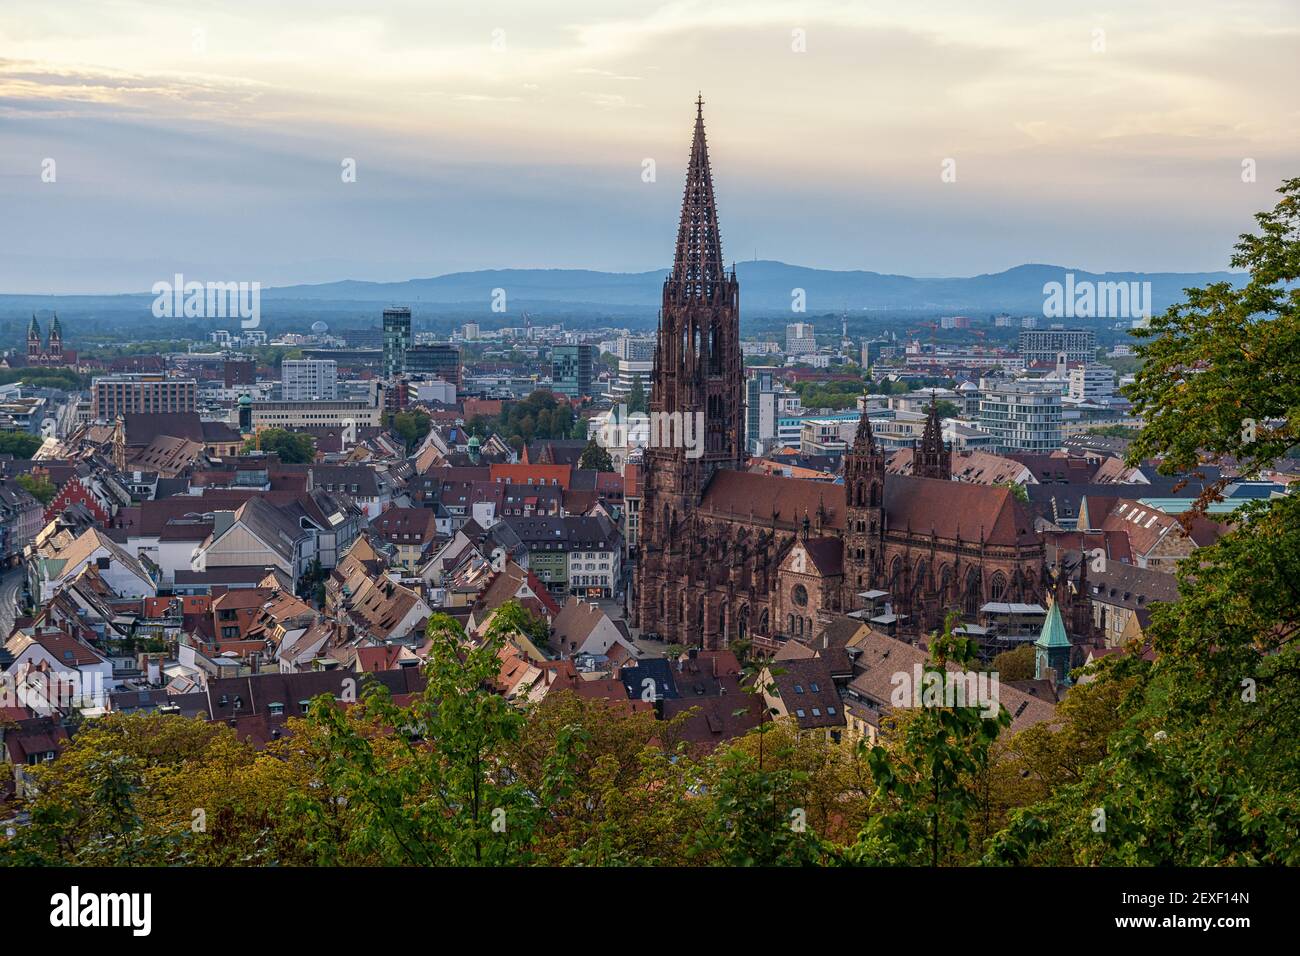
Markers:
1092,383
1021,416
309,380
630,372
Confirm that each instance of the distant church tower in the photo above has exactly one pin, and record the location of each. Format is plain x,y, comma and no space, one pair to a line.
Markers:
33,341
698,372
54,352
932,458
49,352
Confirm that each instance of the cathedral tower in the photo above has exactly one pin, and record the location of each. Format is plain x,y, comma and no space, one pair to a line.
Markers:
864,498
697,389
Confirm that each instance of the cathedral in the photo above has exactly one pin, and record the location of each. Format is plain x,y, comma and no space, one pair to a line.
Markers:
728,554
50,353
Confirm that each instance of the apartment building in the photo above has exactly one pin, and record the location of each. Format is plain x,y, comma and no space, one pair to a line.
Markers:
146,393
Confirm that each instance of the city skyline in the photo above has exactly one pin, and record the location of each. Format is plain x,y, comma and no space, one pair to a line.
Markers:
216,144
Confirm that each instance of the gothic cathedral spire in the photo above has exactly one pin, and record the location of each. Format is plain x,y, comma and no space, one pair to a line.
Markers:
697,274
697,392
698,369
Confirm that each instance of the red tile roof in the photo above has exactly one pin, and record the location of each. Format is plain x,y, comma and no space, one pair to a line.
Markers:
922,505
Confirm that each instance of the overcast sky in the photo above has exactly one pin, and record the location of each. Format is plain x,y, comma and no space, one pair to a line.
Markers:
209,137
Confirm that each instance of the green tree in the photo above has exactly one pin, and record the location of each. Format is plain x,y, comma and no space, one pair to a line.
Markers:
927,773
294,448
61,378
411,427
1220,373
19,444
38,486
540,415
1016,664
1020,491
595,458
636,397
757,815
1203,770
445,795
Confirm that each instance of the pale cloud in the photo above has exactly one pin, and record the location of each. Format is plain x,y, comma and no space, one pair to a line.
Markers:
811,148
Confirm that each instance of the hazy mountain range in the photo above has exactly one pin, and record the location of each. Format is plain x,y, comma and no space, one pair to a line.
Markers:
766,287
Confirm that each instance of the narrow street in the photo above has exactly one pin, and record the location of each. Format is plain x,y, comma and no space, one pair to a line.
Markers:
11,584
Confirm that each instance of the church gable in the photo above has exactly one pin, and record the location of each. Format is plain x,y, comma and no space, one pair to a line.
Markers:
817,557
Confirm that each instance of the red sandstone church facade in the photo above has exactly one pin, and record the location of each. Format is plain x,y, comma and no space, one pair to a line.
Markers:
727,554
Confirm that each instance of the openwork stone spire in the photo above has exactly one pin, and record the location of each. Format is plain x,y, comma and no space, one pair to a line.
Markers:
697,266
864,442
931,458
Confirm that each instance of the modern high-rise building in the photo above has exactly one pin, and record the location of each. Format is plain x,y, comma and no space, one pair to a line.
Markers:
113,395
440,361
397,339
631,372
760,410
1046,345
799,339
1092,383
309,380
1021,416
571,367
635,348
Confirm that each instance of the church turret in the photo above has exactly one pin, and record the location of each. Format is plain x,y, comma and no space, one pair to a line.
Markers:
932,458
1052,649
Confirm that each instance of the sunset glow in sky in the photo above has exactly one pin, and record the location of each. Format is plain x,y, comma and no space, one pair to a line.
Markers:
207,138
